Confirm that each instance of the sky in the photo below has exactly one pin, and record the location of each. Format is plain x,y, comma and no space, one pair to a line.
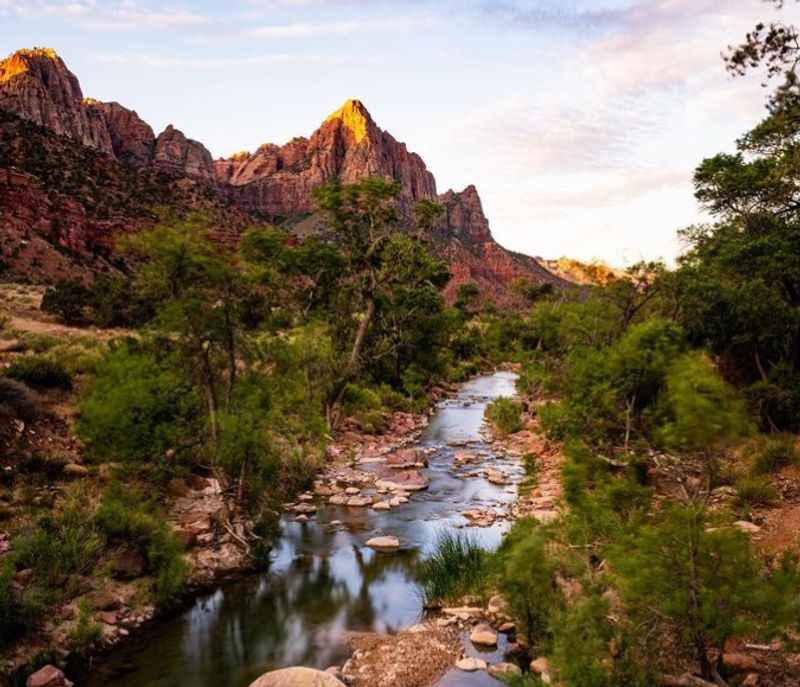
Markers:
579,121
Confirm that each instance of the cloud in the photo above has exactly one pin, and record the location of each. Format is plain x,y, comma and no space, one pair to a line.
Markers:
274,59
124,14
309,30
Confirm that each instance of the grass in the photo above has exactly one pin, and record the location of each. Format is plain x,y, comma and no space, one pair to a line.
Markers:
457,567
505,416
754,491
39,372
775,454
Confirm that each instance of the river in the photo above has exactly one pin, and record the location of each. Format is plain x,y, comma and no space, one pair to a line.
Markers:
323,581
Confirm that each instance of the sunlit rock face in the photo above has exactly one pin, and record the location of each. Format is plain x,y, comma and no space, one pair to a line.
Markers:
277,180
37,85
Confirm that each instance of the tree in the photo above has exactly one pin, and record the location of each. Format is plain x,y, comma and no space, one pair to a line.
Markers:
702,582
382,267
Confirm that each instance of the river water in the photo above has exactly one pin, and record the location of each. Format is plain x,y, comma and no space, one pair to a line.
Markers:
323,581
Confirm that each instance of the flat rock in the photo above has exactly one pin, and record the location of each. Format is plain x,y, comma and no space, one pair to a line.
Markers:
470,665
743,525
359,501
403,480
387,543
297,677
504,669
49,676
483,635
382,505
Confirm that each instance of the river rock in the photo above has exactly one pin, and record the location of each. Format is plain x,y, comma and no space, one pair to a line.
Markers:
382,505
403,480
496,477
75,470
359,501
388,543
338,500
49,676
483,635
405,459
470,665
464,612
297,677
352,491
541,667
500,670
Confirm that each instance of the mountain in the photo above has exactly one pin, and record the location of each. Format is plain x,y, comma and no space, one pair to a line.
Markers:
48,126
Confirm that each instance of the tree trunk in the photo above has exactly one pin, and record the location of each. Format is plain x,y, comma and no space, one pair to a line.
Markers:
352,363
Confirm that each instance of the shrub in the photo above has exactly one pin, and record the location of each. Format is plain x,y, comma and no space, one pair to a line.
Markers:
138,406
86,631
456,567
19,609
40,372
755,491
59,544
17,401
775,454
69,300
505,415
124,517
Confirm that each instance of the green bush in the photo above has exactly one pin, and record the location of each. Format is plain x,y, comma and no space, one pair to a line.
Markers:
505,415
86,631
775,454
59,544
40,372
755,491
457,566
139,405
19,609
69,300
124,518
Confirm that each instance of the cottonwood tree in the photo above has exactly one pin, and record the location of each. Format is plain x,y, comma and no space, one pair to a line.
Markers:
382,264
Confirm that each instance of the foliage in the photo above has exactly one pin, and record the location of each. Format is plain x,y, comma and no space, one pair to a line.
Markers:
19,609
86,630
775,454
40,372
123,517
139,405
106,302
702,583
457,566
505,415
58,544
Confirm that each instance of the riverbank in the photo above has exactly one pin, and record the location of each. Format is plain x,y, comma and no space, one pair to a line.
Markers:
324,581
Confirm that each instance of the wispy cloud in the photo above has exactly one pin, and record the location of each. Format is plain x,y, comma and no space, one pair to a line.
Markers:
109,15
200,63
351,26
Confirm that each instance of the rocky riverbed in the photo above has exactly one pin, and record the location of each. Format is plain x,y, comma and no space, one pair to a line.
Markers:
341,589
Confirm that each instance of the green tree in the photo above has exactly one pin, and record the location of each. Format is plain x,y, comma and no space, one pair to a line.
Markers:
701,582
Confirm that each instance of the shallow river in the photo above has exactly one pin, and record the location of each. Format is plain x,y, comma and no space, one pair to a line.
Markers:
323,581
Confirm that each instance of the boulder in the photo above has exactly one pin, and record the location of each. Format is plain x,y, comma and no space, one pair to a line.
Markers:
49,676
470,665
403,480
483,635
75,470
388,543
500,670
297,677
405,459
747,527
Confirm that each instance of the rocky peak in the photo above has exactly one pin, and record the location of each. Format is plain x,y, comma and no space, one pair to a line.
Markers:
132,139
354,118
464,217
179,155
36,85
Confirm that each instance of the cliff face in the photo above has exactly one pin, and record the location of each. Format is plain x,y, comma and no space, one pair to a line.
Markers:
274,183
36,85
277,181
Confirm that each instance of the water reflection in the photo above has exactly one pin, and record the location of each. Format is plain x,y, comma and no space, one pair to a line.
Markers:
322,581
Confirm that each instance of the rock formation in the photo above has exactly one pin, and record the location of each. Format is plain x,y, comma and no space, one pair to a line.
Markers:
37,85
274,183
182,156
132,139
277,181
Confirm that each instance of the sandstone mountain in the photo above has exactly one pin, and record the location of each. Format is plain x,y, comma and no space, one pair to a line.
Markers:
137,169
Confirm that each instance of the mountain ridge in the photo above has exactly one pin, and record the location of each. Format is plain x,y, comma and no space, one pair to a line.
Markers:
274,183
